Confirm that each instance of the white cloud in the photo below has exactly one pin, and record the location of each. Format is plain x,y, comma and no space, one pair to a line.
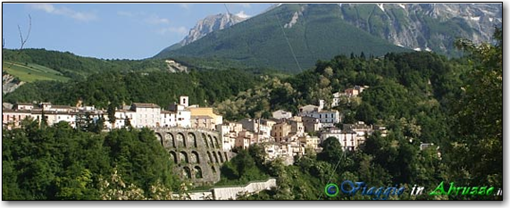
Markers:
155,20
64,11
176,30
243,15
48,8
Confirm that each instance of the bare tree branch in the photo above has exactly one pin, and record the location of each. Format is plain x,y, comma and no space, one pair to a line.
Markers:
23,41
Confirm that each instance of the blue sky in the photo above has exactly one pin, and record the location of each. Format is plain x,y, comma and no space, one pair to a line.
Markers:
109,30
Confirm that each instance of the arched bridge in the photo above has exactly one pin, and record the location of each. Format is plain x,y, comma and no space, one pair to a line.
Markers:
197,153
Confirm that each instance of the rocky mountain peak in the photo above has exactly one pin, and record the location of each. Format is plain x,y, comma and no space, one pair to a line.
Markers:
209,24
425,26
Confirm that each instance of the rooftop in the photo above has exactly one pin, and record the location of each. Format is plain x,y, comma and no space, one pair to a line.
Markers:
145,105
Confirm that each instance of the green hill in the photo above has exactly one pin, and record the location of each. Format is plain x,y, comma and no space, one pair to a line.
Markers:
28,72
55,65
318,33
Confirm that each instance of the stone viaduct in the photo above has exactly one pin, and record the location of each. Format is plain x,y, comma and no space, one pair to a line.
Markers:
196,153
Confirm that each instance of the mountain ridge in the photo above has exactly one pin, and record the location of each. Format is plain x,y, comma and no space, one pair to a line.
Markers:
269,39
420,27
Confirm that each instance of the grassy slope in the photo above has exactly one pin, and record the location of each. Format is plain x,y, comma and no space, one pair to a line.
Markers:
73,66
32,72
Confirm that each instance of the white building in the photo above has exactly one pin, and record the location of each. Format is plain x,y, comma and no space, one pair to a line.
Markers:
168,119
24,106
146,115
348,139
182,114
327,118
121,117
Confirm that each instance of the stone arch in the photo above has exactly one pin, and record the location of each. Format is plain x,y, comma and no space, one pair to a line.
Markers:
198,172
180,140
213,169
211,142
209,157
194,157
173,157
159,138
183,156
204,137
186,172
192,139
221,157
226,156
169,140
215,157
216,141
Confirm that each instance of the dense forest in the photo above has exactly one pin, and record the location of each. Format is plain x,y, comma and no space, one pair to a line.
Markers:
162,88
420,97
62,163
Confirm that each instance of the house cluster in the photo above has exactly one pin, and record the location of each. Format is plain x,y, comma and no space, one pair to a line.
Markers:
283,136
286,136
137,115
352,135
348,93
175,115
14,114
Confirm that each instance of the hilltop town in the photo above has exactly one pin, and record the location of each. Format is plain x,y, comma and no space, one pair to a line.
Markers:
284,135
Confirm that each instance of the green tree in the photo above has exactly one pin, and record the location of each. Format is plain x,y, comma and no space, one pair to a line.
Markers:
111,114
478,118
332,151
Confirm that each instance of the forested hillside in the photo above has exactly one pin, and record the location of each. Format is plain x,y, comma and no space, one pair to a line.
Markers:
420,97
267,40
76,67
162,88
61,163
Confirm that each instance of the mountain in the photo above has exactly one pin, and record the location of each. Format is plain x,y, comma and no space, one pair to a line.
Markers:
321,31
207,25
290,37
431,27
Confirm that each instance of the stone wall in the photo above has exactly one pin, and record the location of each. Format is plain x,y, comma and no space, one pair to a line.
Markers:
197,153
230,193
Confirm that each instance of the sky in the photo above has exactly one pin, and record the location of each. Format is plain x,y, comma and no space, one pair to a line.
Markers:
109,30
